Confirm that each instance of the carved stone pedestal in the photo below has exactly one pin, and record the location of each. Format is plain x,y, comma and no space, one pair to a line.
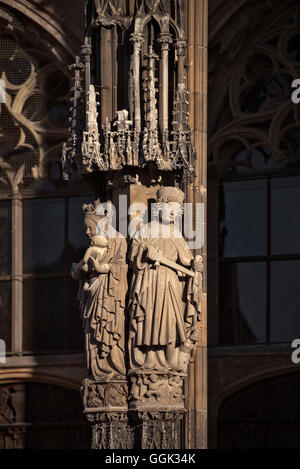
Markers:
156,390
105,406
157,429
147,332
156,409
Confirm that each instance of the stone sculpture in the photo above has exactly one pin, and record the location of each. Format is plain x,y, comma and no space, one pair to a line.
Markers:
103,286
97,251
164,305
138,134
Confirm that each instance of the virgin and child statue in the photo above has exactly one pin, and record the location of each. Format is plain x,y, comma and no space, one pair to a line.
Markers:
103,285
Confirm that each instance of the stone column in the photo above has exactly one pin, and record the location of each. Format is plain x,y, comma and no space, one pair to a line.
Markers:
181,46
167,396
105,406
17,271
86,52
165,39
137,39
196,386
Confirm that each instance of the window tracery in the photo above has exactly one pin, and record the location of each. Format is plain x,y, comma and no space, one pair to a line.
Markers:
33,117
253,123
255,141
33,126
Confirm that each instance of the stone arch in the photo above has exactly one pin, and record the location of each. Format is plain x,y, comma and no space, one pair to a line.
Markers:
69,45
234,387
39,411
37,86
232,47
20,375
259,410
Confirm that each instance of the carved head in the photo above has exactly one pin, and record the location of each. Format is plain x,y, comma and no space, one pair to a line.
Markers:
99,241
170,203
93,213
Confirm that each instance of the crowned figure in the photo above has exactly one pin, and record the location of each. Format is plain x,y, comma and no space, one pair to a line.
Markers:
102,291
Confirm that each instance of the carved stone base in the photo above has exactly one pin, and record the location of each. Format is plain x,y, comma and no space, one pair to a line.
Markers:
156,390
158,430
156,409
105,406
103,394
110,430
154,420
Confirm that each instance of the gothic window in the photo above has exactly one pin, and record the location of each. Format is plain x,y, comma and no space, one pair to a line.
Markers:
41,230
5,272
53,237
255,170
39,416
259,260
264,415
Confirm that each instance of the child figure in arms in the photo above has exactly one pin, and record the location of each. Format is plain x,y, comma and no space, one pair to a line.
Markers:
97,251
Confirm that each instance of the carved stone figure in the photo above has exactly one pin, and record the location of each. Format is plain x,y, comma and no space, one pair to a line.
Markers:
165,293
108,394
97,251
157,390
103,285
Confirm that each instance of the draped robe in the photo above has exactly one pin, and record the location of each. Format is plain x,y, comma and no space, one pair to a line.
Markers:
102,303
162,313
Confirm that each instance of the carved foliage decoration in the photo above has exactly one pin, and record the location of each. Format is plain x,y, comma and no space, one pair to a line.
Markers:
105,406
112,433
106,394
159,430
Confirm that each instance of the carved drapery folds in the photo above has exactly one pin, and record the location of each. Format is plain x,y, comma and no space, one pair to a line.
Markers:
164,307
140,123
102,290
143,395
